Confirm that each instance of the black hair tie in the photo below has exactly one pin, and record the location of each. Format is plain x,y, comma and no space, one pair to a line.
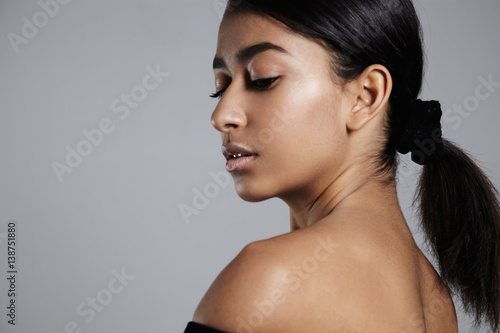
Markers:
422,135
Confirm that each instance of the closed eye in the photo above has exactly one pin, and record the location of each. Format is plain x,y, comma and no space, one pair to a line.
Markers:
260,84
264,84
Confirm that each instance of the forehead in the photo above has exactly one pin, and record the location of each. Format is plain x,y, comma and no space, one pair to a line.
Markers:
242,29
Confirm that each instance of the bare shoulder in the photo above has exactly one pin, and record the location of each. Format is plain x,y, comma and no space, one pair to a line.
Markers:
316,279
250,283
263,287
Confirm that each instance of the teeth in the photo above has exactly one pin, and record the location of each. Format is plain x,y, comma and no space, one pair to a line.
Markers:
236,156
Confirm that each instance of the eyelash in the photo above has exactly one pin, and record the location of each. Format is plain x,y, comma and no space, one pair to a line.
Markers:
260,84
218,94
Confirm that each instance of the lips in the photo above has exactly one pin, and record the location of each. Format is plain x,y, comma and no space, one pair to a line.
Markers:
238,157
233,151
231,157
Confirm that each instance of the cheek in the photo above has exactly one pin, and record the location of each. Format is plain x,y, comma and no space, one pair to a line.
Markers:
299,135
300,140
312,118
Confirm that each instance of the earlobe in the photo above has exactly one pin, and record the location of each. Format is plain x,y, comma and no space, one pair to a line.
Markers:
372,91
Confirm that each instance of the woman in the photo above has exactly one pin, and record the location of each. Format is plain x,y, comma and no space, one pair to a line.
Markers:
316,98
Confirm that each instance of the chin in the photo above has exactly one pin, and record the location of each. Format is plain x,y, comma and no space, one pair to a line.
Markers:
252,193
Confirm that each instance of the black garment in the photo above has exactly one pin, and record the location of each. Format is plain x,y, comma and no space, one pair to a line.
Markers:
193,327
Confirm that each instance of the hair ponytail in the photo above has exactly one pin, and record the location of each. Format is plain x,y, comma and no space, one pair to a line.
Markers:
460,215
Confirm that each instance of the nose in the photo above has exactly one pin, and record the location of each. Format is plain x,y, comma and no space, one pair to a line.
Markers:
229,114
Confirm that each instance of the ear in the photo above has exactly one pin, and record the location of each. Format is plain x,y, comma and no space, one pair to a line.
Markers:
372,90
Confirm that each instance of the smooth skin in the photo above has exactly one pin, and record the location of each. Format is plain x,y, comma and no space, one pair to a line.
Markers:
350,263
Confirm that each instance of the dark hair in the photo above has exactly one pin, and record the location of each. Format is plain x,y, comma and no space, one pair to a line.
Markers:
459,208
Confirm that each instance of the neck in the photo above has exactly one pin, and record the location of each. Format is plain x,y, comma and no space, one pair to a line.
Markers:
347,193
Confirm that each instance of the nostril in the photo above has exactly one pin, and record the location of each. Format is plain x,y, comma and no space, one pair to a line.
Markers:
229,126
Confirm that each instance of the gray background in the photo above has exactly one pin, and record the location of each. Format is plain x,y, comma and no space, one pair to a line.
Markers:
119,209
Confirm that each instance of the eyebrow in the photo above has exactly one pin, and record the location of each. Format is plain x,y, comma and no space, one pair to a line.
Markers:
248,53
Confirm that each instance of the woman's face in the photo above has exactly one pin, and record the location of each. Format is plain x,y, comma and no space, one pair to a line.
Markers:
281,110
